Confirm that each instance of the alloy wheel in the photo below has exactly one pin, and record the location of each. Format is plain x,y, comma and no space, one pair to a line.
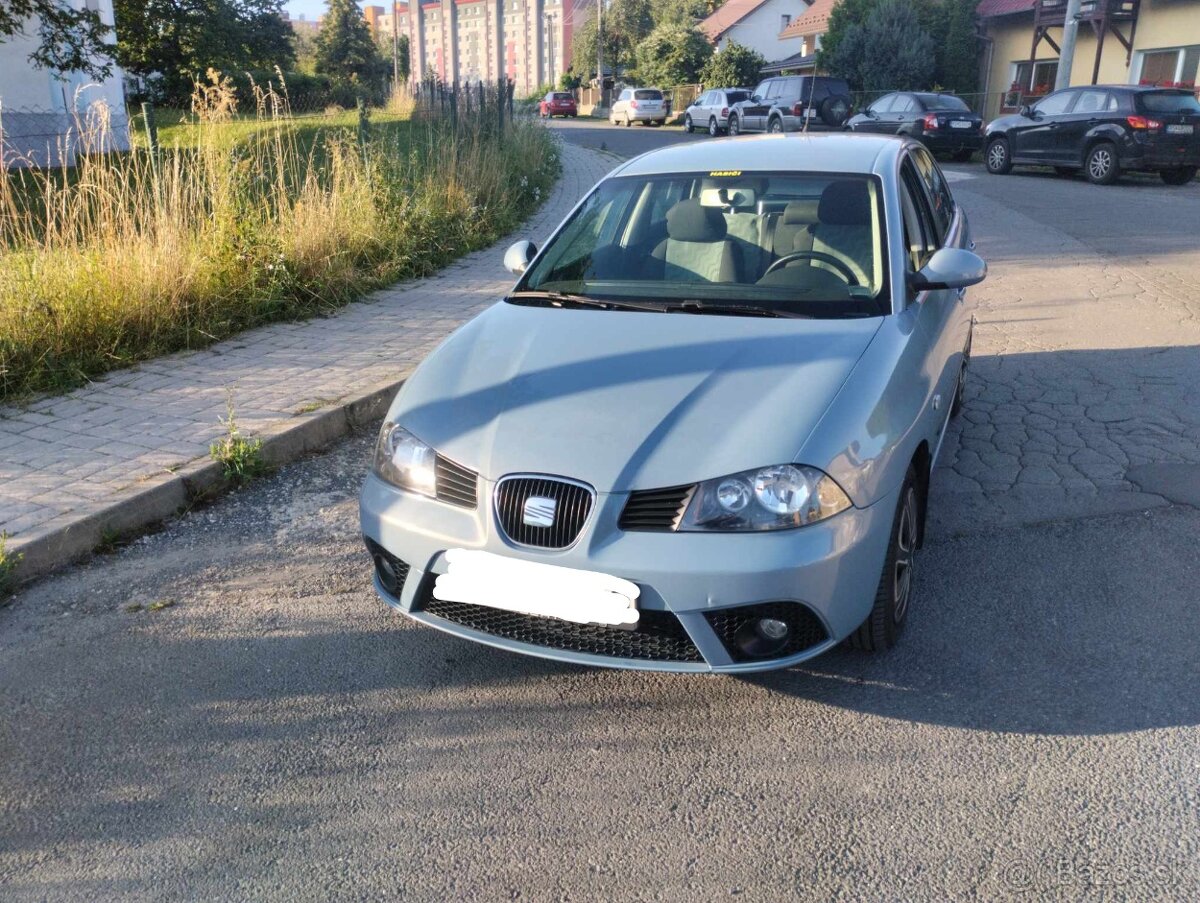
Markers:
906,547
1100,162
713,130
997,154
687,123
735,127
776,126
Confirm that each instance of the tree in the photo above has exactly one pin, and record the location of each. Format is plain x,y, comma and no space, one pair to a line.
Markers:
383,41
890,51
583,49
958,46
69,40
845,15
735,65
177,41
672,55
345,50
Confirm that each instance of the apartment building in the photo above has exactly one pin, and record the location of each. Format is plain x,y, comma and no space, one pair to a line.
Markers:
528,41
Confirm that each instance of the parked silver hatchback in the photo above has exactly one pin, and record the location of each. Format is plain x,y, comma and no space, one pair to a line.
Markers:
644,105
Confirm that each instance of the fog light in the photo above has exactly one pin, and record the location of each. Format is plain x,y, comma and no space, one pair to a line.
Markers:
762,637
387,574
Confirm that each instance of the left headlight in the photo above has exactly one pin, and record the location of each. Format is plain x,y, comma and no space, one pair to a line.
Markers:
770,498
405,461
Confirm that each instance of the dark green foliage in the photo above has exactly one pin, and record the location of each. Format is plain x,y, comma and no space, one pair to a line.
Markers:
346,52
889,51
672,55
175,42
735,66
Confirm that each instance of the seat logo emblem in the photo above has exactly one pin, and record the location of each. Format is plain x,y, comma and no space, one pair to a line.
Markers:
539,511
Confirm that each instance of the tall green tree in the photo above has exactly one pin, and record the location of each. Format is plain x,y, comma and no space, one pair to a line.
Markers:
958,48
68,40
672,55
889,51
177,41
345,50
733,66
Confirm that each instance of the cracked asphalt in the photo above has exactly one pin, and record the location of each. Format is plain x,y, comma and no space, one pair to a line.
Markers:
222,710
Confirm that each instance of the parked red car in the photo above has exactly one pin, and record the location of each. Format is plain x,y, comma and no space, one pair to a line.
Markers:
557,103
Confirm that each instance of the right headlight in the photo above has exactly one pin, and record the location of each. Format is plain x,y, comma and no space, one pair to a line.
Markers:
771,498
405,461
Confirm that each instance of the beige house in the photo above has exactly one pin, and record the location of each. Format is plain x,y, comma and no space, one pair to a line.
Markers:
1119,42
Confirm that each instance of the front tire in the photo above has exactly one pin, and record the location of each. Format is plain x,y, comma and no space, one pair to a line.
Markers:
893,597
687,123
1179,176
714,130
735,127
1101,165
998,158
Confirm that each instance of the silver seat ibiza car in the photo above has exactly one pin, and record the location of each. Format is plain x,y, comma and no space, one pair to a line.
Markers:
698,433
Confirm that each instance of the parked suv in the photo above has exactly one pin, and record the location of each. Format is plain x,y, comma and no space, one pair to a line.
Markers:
1103,130
782,104
711,109
644,105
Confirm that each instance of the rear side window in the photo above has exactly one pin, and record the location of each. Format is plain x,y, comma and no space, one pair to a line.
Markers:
1095,102
1167,102
644,94
904,104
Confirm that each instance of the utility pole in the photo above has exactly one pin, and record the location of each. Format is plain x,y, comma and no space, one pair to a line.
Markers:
550,48
1067,55
600,49
395,47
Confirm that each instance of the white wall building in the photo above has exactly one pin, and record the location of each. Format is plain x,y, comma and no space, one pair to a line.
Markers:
44,114
756,24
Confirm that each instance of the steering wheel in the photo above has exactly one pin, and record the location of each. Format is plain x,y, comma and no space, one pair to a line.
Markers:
842,270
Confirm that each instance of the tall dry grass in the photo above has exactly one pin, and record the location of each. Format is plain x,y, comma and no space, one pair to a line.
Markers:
130,256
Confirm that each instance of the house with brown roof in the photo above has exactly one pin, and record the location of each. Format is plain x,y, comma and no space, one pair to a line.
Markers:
757,24
804,34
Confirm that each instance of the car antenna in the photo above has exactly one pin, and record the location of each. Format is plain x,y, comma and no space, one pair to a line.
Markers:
812,86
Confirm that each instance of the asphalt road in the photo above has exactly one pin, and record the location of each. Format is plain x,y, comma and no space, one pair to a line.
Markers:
223,711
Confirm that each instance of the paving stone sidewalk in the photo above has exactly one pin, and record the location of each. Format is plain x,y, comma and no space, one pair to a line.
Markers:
70,459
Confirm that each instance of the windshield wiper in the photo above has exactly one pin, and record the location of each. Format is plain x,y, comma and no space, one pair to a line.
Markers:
569,299
739,310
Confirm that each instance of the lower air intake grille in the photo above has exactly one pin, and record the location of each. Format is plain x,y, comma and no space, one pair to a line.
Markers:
659,636
571,503
455,484
391,571
806,628
655,509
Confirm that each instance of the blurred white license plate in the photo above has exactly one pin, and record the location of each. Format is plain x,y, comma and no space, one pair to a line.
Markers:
648,104
959,124
1179,129
548,591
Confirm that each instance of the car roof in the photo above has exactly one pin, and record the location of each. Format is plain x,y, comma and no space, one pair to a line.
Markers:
830,152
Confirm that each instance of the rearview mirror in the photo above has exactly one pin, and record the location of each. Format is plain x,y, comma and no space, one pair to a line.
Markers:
949,268
519,256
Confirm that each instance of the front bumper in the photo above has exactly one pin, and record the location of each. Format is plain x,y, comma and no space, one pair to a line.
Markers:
692,584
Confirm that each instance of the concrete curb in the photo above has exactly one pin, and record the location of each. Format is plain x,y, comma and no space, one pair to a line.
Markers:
56,545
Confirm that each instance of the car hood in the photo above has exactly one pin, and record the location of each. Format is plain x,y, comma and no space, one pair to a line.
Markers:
627,400
1003,123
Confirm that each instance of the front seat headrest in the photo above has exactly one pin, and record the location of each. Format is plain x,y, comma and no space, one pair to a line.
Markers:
690,221
800,213
845,203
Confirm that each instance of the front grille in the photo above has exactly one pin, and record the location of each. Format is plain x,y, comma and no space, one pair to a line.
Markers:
393,576
655,509
456,485
806,628
658,636
573,504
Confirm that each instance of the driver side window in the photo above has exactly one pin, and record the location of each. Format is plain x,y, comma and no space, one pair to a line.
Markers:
884,104
920,233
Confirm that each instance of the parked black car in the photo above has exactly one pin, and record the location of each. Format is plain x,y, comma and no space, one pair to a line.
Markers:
942,122
1103,130
782,104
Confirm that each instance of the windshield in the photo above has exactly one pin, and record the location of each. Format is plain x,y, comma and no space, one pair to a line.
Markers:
783,244
563,97
647,95
1168,102
942,102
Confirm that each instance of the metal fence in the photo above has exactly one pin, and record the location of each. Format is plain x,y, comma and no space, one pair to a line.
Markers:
31,137
481,104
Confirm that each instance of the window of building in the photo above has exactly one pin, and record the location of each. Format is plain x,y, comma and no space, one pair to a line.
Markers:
784,22
1035,78
1177,67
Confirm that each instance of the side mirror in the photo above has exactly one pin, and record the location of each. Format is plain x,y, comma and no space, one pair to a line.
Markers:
949,268
871,114
1025,111
755,98
519,256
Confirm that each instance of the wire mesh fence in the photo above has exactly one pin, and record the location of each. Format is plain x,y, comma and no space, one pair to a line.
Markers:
32,137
